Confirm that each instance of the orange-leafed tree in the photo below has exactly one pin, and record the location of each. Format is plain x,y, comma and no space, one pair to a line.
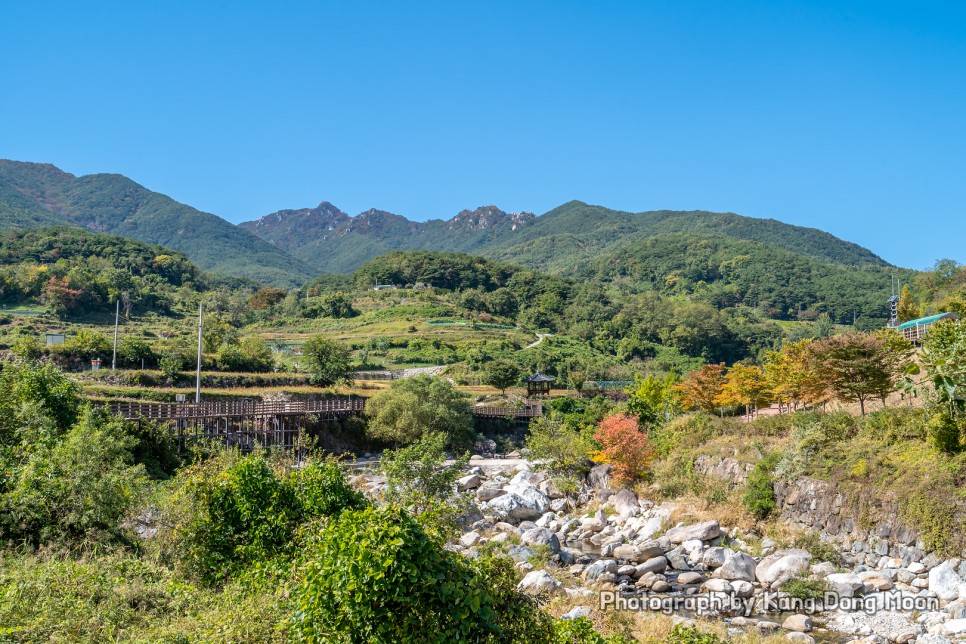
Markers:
701,389
625,447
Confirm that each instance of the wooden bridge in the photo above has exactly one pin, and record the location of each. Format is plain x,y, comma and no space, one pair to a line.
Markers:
247,423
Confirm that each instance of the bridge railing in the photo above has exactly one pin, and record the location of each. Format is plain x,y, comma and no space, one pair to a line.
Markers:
250,408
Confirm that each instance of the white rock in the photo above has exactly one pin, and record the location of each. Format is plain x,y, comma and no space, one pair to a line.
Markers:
576,612
738,566
470,482
626,504
470,539
945,581
539,582
845,584
781,566
800,623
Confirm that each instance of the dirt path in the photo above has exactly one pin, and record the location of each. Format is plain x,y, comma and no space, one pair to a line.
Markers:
540,338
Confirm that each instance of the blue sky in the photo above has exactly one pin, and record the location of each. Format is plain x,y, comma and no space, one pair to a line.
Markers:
845,116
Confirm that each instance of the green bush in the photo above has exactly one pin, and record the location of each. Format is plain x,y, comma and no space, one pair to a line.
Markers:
233,511
77,490
759,498
38,404
564,450
802,588
376,576
419,480
944,431
684,634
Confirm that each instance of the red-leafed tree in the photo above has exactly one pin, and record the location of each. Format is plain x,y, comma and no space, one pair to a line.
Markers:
625,447
59,297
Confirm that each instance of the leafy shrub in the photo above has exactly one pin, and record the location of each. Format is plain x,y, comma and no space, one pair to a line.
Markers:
414,407
802,588
233,511
38,404
563,449
684,634
759,498
625,447
821,550
581,631
419,480
944,431
376,576
77,489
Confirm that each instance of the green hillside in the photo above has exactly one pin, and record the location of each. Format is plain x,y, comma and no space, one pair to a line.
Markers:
727,272
576,232
34,195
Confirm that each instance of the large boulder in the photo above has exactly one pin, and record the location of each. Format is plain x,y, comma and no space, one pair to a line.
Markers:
638,553
945,581
626,504
737,567
779,567
704,531
599,568
541,537
518,506
467,483
486,494
844,584
652,565
539,582
597,477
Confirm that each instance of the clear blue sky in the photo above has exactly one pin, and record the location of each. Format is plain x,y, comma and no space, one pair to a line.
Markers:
845,116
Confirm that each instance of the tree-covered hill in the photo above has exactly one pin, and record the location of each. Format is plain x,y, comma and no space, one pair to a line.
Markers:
727,272
34,194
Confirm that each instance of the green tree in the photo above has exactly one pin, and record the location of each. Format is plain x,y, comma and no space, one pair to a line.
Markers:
908,308
562,449
132,351
501,374
38,404
856,367
651,399
326,361
414,407
944,360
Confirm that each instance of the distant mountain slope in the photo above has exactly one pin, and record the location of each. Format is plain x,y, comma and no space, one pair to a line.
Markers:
33,194
332,242
728,272
558,241
578,232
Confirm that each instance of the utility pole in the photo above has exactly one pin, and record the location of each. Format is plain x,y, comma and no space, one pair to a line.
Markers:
117,316
201,320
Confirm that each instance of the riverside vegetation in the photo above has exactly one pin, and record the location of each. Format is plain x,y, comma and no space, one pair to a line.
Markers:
110,533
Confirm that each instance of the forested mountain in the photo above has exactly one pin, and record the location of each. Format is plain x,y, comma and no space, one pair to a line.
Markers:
727,272
33,194
332,241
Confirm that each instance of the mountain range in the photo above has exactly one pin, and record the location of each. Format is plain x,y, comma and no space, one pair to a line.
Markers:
289,247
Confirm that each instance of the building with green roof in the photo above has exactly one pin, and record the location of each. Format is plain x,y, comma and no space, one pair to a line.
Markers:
914,330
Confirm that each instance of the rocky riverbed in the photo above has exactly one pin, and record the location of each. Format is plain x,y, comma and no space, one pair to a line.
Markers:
600,545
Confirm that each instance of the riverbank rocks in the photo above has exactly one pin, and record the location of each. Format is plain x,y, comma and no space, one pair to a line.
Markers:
599,569
467,483
705,531
638,553
539,582
625,503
